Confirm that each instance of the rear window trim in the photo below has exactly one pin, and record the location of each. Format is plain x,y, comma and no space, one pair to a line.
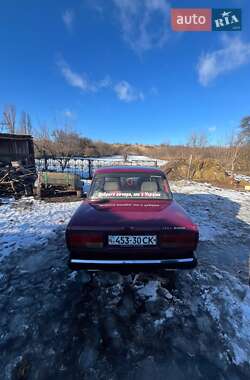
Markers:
131,174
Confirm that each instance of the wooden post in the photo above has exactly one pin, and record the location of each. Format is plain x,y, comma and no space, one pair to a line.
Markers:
189,166
90,174
45,161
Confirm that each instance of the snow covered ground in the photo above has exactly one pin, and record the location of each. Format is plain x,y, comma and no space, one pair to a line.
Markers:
240,177
217,211
130,158
29,223
68,325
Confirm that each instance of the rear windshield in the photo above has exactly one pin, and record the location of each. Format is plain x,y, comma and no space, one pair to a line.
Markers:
129,186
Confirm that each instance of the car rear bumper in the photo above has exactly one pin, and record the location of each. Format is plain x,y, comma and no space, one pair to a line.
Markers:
173,263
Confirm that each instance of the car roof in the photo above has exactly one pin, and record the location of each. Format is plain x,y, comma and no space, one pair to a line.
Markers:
128,169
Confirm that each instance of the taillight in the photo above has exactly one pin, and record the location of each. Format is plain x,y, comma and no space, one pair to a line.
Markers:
178,240
87,240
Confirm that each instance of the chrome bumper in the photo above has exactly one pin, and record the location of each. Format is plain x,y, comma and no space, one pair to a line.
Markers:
189,260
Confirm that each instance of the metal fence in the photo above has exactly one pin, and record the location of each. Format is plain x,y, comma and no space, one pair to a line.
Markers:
84,167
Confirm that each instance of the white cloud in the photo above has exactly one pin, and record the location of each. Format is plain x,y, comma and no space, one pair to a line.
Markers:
127,93
68,18
74,79
123,90
232,55
144,24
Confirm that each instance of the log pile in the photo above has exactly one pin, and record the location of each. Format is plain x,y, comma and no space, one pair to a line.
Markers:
16,180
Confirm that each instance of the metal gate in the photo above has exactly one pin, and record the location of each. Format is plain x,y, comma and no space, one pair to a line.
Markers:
83,166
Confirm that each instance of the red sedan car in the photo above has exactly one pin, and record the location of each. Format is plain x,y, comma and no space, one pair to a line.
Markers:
130,220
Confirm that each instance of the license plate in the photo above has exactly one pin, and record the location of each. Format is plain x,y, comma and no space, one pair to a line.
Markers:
132,240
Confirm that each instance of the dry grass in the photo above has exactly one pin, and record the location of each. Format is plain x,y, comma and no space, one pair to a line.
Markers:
202,170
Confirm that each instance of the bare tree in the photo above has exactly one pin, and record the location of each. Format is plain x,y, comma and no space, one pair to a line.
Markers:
9,116
2,125
60,144
236,142
197,140
43,141
25,123
245,129
125,152
66,145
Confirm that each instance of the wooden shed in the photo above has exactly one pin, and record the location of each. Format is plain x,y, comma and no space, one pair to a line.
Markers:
14,147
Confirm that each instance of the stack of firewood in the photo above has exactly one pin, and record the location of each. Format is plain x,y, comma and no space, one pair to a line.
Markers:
15,179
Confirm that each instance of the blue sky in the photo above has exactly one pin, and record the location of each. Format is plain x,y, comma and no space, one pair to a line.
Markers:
116,71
